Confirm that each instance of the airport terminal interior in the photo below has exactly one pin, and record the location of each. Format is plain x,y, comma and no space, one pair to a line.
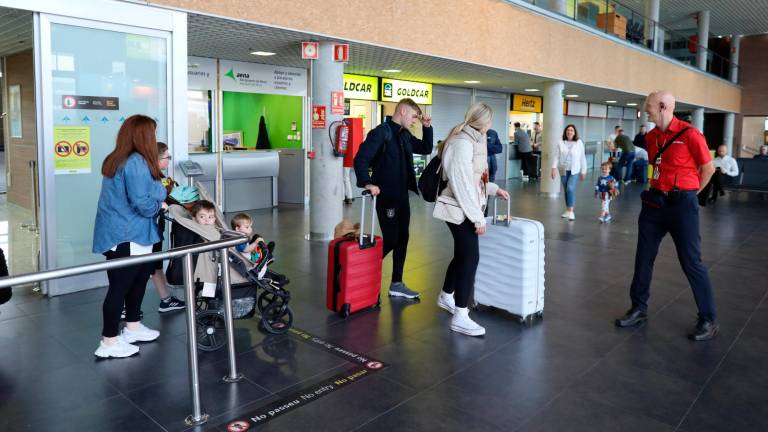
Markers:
263,108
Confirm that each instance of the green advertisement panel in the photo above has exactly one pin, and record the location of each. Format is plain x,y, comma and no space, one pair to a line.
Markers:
243,111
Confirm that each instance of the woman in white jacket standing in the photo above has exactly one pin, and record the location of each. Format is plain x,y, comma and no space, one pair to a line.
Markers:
461,205
571,163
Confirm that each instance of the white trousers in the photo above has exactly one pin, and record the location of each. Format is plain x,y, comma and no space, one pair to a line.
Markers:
347,183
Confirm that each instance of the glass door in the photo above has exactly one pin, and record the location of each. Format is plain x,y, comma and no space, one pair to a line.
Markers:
95,75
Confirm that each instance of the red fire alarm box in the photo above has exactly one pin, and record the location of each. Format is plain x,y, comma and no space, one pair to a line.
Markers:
355,139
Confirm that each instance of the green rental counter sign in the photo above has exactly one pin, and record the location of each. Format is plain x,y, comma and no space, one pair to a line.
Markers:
361,87
395,90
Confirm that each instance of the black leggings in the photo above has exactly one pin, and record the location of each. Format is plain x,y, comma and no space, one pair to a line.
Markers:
394,216
126,287
460,277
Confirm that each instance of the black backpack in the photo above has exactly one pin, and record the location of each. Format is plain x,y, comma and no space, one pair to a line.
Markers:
431,182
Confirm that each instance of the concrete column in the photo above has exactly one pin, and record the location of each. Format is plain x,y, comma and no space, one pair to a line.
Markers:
651,23
730,121
660,34
701,51
735,48
325,186
554,122
698,119
559,6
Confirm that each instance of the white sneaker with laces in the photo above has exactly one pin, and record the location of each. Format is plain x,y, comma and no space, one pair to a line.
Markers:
462,323
446,301
141,334
119,349
571,216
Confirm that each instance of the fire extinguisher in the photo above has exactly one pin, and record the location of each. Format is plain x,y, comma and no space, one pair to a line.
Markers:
342,137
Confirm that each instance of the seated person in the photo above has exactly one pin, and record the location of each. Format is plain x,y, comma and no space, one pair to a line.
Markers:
203,212
243,223
763,153
725,169
641,165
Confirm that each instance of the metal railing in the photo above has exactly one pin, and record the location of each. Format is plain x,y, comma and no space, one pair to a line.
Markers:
197,417
641,30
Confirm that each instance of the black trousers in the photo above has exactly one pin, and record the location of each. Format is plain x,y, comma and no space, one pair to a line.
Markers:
681,220
528,164
460,276
394,219
126,287
713,188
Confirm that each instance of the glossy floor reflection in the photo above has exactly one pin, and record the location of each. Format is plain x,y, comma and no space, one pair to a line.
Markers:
571,371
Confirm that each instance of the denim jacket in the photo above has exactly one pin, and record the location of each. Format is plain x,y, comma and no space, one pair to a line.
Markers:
128,206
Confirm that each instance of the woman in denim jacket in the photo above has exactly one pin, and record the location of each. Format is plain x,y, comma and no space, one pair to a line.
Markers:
131,197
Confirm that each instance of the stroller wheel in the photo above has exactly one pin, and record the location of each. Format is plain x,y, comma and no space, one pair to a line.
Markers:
277,318
267,298
210,330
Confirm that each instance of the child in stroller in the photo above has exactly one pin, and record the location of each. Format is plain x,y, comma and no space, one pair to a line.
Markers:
202,224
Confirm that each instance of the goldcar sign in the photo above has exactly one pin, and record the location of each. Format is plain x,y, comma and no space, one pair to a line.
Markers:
395,90
361,87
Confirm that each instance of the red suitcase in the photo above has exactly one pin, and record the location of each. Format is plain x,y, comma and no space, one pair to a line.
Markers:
354,270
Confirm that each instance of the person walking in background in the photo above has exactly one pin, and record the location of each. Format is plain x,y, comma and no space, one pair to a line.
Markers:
681,166
570,162
388,152
461,205
494,148
525,150
131,198
627,156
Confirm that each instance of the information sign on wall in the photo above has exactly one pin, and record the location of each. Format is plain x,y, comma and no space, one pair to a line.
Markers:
337,102
259,78
395,90
310,50
201,73
72,149
527,103
361,87
341,53
318,116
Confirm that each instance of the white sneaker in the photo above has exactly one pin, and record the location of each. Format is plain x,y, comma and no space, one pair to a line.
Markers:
119,349
607,218
565,215
571,216
446,301
141,334
462,323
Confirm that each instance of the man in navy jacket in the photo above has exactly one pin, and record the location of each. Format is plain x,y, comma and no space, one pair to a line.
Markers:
494,148
387,153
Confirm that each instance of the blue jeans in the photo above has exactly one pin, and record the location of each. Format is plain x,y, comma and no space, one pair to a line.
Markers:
626,160
569,187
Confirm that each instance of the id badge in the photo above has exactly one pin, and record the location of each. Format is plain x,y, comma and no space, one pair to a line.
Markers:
656,170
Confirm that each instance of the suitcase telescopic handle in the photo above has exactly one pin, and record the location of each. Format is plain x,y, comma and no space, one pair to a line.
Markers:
362,218
508,221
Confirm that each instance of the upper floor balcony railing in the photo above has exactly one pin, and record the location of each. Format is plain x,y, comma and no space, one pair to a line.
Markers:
620,21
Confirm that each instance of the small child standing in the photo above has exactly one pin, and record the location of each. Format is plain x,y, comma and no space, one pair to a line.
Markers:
605,190
243,223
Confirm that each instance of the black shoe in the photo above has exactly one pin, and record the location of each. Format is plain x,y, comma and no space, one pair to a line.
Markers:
347,201
632,318
704,331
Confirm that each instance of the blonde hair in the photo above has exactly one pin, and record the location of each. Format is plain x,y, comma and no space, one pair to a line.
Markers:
478,116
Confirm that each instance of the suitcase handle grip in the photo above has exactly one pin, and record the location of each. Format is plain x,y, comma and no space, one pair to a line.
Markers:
508,221
373,221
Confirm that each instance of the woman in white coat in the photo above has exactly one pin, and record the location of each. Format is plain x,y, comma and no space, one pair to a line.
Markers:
461,205
571,163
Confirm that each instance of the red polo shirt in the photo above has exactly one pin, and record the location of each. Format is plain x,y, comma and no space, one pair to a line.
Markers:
681,161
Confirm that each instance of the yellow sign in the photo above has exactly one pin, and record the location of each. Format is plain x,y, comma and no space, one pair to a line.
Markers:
527,103
395,90
72,149
361,87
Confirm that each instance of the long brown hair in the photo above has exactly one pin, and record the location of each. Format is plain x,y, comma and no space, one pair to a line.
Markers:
136,135
575,133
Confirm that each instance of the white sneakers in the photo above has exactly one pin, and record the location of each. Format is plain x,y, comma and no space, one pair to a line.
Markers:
141,334
122,347
462,323
119,349
446,302
568,215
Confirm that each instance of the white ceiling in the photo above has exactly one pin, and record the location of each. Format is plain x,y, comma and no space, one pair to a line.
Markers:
16,33
726,16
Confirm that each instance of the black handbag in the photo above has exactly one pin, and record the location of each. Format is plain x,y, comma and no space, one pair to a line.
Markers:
431,182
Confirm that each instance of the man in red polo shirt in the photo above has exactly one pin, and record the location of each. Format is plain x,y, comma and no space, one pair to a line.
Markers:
682,165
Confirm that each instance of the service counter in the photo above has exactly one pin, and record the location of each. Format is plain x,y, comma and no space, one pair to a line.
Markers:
250,178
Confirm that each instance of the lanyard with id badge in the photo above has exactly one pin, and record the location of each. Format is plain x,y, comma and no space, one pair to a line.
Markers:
657,159
657,200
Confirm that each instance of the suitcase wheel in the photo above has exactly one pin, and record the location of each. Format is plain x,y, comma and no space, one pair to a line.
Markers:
344,312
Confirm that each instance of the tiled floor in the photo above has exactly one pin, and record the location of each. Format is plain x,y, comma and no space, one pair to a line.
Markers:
572,371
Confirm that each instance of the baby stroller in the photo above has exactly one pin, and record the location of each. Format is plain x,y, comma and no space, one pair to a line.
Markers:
253,285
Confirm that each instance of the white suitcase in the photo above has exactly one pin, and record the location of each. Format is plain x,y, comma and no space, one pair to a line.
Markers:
510,275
